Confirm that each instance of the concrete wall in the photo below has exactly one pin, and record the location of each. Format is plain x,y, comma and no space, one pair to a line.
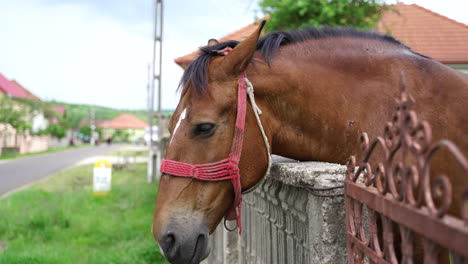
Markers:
58,142
283,223
30,144
24,143
65,141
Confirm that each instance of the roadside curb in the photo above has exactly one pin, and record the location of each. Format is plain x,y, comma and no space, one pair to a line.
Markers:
87,161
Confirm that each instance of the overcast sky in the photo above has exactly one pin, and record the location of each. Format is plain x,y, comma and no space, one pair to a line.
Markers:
97,51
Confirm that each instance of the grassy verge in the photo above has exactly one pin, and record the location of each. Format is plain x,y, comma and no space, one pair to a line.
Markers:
130,153
14,156
60,221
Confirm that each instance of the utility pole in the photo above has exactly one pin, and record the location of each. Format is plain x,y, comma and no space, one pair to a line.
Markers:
155,148
150,105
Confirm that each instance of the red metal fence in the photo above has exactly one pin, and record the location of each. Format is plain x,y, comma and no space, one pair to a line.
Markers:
396,212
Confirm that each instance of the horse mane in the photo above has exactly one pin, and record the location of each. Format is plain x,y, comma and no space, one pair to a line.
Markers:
196,72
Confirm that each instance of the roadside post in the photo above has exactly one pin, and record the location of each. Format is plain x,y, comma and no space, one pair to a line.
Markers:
102,177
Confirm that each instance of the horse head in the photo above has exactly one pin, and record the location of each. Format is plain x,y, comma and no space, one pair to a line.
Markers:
203,131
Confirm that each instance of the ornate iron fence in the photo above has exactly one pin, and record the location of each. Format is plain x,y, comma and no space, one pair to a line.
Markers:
394,206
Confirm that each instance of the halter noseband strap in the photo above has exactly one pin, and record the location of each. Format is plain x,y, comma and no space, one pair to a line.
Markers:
224,169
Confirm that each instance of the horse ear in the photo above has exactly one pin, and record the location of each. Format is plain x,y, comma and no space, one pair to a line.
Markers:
237,60
212,42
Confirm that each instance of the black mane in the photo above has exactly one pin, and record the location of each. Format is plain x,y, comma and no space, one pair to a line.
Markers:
268,45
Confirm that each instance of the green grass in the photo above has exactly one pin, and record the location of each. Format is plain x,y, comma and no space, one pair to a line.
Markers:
130,153
14,156
60,221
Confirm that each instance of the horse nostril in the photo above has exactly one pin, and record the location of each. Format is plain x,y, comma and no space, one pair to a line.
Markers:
202,238
170,245
169,239
201,250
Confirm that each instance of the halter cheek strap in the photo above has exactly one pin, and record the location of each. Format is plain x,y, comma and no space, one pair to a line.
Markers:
226,169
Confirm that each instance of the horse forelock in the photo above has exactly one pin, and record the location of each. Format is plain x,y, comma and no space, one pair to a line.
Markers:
195,76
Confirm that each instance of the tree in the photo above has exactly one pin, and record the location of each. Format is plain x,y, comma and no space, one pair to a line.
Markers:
59,124
299,14
14,114
86,131
121,135
57,130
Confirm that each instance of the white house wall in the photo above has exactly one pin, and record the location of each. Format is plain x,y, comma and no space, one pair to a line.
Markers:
39,122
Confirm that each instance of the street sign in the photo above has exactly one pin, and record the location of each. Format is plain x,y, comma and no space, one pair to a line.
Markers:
102,175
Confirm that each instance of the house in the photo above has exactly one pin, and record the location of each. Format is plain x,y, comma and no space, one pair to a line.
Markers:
125,127
11,89
19,98
425,31
60,109
434,35
38,119
56,112
26,100
28,94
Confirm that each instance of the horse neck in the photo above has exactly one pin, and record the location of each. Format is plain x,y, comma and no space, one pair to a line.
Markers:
309,109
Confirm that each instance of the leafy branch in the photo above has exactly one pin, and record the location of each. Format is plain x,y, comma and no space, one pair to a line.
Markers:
299,14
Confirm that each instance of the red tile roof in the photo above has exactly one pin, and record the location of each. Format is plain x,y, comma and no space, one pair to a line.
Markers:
30,95
125,121
427,32
238,35
10,88
59,108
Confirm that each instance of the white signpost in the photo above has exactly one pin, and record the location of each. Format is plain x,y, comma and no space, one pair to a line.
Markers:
102,177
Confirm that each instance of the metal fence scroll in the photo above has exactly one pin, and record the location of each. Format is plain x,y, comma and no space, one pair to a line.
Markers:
394,205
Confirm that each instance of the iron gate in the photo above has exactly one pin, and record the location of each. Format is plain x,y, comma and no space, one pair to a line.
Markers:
393,207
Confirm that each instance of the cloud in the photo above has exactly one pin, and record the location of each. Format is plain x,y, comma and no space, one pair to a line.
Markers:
69,54
88,51
97,52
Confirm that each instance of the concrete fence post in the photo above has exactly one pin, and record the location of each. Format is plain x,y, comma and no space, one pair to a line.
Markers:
283,223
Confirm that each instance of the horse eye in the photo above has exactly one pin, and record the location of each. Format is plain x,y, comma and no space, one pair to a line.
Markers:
204,129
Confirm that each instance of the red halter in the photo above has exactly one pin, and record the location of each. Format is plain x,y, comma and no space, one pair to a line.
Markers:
224,169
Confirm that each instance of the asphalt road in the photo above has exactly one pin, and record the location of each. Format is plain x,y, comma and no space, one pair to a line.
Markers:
22,171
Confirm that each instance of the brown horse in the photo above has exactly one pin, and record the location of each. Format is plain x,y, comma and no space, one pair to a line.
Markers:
318,89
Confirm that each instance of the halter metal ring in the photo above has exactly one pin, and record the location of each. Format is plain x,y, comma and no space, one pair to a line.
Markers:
227,228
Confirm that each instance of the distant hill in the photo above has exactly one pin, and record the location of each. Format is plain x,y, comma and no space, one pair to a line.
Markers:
76,112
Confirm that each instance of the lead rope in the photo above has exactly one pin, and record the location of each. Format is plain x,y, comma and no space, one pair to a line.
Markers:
317,191
257,114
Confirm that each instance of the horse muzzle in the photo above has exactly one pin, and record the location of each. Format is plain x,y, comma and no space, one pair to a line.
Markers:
184,243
